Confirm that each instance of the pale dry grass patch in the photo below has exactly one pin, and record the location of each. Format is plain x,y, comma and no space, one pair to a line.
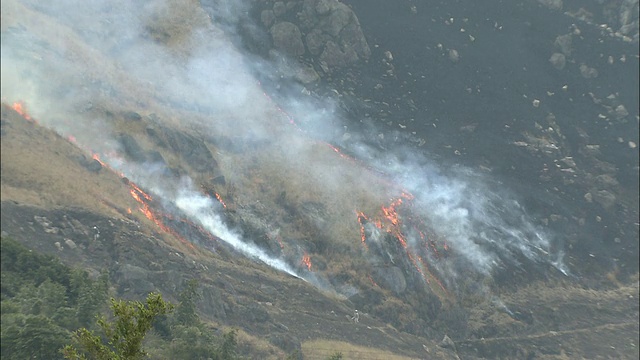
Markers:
322,349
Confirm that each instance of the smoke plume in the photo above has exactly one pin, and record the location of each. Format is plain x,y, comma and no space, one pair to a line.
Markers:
68,59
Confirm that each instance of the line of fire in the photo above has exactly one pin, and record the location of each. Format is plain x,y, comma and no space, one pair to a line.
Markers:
379,232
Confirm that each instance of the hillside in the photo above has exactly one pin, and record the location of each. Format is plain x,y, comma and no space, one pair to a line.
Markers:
152,144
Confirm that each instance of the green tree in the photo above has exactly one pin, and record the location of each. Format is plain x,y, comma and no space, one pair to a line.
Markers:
90,295
31,337
124,335
186,311
227,349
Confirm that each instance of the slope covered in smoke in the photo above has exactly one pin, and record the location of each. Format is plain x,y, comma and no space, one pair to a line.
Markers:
162,93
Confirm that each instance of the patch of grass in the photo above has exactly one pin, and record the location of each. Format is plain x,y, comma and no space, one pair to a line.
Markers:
324,349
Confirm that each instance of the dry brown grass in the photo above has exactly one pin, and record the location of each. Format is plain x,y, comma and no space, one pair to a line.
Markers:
322,349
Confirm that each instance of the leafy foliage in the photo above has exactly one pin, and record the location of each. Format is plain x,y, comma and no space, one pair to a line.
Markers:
124,335
42,300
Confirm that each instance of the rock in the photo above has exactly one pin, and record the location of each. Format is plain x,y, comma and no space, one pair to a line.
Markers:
447,343
268,289
135,279
606,181
131,272
353,37
337,20
588,197
219,180
558,60
391,278
315,40
92,165
323,7
621,111
279,8
454,56
588,72
552,4
267,17
605,198
194,151
306,74
564,42
333,32
131,115
131,148
70,243
287,38
334,56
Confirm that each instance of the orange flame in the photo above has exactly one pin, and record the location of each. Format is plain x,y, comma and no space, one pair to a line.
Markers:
306,261
390,221
220,200
139,195
21,109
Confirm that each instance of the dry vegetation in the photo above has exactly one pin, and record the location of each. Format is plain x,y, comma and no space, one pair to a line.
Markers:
322,349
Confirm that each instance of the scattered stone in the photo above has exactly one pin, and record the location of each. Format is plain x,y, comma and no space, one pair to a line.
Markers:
558,60
588,72
588,197
131,115
447,343
564,43
70,243
621,111
605,198
552,4
58,246
454,56
306,75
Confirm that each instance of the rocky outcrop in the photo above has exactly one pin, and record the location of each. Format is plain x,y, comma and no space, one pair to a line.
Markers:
391,278
327,31
287,37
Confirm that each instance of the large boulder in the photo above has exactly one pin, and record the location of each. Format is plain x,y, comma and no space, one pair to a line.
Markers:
333,32
326,30
391,278
287,38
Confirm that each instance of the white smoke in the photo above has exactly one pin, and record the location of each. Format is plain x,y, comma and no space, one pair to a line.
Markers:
102,52
201,209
